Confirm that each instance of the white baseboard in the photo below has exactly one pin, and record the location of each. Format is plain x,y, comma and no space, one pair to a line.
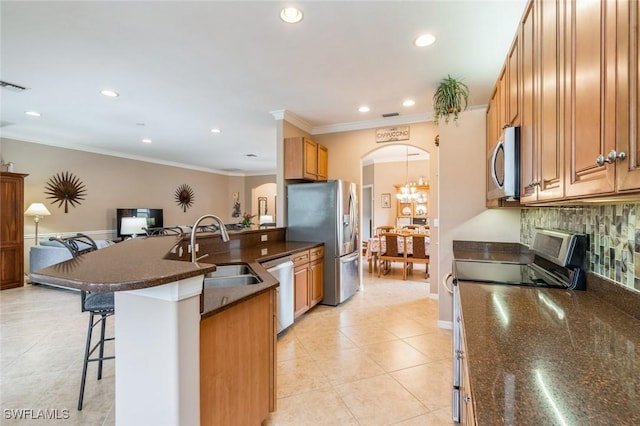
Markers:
433,296
445,324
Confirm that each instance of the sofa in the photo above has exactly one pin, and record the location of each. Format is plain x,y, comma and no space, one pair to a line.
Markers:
49,253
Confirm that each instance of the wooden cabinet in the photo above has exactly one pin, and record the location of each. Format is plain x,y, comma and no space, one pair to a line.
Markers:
316,275
308,279
628,91
528,148
467,412
418,208
513,84
11,230
301,302
305,159
578,84
590,79
541,111
238,363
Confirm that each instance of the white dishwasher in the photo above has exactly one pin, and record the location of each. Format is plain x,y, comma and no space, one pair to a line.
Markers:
282,269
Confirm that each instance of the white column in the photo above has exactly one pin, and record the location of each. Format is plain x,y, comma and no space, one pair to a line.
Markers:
158,354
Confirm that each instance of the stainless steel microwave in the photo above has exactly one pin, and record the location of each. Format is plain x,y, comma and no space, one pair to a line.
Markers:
504,166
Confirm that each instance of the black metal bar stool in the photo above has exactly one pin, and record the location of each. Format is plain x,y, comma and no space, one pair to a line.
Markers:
97,304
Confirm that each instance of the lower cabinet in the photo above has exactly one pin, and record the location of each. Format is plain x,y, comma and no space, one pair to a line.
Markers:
238,363
308,281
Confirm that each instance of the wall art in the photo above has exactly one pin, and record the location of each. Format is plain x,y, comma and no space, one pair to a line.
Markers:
65,188
184,196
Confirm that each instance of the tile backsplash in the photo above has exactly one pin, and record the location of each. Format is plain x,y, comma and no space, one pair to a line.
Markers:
614,236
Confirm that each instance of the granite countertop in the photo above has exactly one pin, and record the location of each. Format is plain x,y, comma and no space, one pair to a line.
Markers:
549,356
130,265
140,263
216,300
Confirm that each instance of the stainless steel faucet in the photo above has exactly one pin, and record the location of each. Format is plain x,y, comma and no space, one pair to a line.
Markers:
223,234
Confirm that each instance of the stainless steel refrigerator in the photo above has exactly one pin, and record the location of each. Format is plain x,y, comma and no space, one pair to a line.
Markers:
328,212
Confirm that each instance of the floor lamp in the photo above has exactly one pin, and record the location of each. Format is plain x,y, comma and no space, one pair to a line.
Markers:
37,210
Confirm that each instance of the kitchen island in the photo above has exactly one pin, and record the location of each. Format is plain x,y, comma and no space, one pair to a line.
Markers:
160,303
549,356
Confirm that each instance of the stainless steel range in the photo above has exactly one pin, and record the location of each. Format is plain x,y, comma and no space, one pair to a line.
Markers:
559,261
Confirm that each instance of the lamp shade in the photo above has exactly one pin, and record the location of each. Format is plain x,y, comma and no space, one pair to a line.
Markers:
37,209
133,225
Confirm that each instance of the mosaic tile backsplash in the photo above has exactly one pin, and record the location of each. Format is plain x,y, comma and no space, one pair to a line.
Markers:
614,236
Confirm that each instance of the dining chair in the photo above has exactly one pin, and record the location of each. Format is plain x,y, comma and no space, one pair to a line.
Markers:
97,304
392,253
384,228
166,230
410,228
419,253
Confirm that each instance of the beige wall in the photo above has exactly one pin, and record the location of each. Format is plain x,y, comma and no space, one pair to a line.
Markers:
463,215
112,182
347,149
386,177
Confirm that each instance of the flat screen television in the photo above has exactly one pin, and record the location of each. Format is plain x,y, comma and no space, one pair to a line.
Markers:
152,216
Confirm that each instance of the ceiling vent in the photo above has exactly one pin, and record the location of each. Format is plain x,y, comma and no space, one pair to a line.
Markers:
391,114
12,87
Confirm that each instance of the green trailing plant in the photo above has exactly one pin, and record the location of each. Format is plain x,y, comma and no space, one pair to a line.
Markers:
450,98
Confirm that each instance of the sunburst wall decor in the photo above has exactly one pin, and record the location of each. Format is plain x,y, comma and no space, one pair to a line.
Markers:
65,188
184,196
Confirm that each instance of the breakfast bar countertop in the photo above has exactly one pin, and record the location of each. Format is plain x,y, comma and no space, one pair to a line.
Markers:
141,263
130,265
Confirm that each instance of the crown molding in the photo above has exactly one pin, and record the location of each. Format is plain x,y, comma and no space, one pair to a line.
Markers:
371,124
288,116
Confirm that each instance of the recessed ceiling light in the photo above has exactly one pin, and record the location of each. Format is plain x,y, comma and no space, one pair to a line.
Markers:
215,130
291,15
425,40
110,93
364,108
32,113
409,102
147,140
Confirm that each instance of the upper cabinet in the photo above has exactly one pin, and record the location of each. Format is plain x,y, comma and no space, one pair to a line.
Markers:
590,79
305,159
571,81
628,177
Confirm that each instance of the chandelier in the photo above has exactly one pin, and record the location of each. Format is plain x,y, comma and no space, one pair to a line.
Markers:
409,191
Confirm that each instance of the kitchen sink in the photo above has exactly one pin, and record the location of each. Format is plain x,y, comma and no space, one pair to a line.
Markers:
231,270
231,276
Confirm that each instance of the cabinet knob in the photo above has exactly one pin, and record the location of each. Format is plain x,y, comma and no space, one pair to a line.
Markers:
466,398
611,157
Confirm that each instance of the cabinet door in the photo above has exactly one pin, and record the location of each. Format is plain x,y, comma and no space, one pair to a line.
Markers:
628,94
316,275
404,209
301,290
502,100
513,84
323,161
11,230
310,160
528,148
590,77
550,138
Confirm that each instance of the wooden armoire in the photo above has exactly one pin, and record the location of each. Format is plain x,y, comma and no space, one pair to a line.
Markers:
11,230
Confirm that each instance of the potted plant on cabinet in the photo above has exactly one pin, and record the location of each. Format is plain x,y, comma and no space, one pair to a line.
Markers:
450,98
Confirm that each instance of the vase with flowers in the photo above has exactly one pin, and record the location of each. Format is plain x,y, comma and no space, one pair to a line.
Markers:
246,219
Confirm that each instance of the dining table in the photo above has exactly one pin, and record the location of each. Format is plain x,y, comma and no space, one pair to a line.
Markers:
377,244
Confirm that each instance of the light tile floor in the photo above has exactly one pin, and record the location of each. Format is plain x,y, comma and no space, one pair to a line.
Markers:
378,359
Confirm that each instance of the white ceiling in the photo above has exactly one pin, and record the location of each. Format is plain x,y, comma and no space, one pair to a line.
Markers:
182,68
